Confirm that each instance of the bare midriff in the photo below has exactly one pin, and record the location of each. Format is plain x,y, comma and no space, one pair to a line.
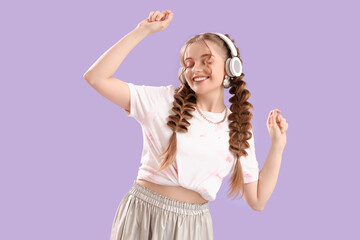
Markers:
175,192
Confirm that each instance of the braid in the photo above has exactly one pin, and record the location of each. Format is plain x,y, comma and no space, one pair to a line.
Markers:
183,105
239,128
239,124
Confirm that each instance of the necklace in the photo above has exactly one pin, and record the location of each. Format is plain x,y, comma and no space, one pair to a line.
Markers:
208,119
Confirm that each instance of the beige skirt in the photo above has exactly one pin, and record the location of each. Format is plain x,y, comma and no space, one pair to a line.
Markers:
145,214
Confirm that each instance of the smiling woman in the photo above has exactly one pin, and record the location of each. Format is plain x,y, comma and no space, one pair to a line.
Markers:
204,58
192,141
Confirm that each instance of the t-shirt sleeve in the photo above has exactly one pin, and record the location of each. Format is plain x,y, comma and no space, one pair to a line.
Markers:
249,164
146,100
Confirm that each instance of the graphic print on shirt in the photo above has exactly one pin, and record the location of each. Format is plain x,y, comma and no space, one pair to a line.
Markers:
219,176
175,170
248,177
151,175
219,127
150,139
203,135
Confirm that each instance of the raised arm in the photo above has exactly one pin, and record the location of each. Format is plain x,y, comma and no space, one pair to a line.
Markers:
108,63
100,74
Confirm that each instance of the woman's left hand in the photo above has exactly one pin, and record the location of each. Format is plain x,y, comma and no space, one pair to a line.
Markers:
277,127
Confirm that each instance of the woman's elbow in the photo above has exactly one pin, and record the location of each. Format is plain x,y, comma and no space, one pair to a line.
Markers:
258,208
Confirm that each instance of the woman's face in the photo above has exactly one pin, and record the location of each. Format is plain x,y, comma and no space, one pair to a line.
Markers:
198,63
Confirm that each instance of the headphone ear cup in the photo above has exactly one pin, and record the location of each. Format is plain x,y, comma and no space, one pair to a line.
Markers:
235,67
227,67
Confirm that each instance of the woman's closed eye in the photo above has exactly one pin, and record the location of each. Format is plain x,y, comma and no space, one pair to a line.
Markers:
190,65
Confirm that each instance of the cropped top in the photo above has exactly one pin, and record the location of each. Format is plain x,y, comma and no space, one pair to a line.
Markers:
203,158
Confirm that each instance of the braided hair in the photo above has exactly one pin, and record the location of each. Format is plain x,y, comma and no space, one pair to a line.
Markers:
239,118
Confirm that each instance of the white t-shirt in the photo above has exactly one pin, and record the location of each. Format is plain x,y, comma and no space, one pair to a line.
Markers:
203,157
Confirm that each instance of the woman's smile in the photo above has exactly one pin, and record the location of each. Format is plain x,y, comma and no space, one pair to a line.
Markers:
197,82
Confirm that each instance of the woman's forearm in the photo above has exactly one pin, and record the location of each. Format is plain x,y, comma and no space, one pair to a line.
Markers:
108,63
269,174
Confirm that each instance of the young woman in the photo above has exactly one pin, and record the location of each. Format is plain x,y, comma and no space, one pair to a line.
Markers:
192,141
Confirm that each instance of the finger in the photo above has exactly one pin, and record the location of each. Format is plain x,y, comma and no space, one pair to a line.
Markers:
272,118
278,119
155,15
168,11
169,18
160,16
281,126
282,117
284,128
157,18
150,16
166,14
275,115
163,16
269,118
282,120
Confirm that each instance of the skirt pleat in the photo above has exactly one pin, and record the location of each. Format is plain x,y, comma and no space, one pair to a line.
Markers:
145,214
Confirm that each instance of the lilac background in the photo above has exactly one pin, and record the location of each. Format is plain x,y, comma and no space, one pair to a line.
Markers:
69,155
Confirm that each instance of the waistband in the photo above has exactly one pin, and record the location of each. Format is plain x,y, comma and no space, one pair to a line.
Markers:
167,203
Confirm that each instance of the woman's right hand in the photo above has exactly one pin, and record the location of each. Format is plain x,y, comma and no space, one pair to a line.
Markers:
277,127
156,21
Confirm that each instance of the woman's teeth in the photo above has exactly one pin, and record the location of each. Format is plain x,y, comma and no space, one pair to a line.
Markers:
200,79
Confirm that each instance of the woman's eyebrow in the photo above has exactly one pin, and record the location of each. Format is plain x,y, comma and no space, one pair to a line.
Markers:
208,54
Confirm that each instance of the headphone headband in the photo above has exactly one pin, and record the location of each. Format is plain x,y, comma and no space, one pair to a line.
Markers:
229,43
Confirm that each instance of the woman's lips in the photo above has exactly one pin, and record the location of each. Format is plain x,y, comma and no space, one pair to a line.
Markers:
201,80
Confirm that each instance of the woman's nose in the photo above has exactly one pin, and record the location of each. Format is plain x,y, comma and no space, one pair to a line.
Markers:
199,67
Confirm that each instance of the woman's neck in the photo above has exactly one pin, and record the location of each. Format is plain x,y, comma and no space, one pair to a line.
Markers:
212,101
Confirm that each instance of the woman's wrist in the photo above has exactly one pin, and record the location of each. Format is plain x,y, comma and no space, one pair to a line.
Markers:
142,31
277,146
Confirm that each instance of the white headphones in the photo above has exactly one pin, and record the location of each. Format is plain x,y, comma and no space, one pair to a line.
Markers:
233,64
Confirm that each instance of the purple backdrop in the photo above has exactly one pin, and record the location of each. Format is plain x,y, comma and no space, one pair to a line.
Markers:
69,155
